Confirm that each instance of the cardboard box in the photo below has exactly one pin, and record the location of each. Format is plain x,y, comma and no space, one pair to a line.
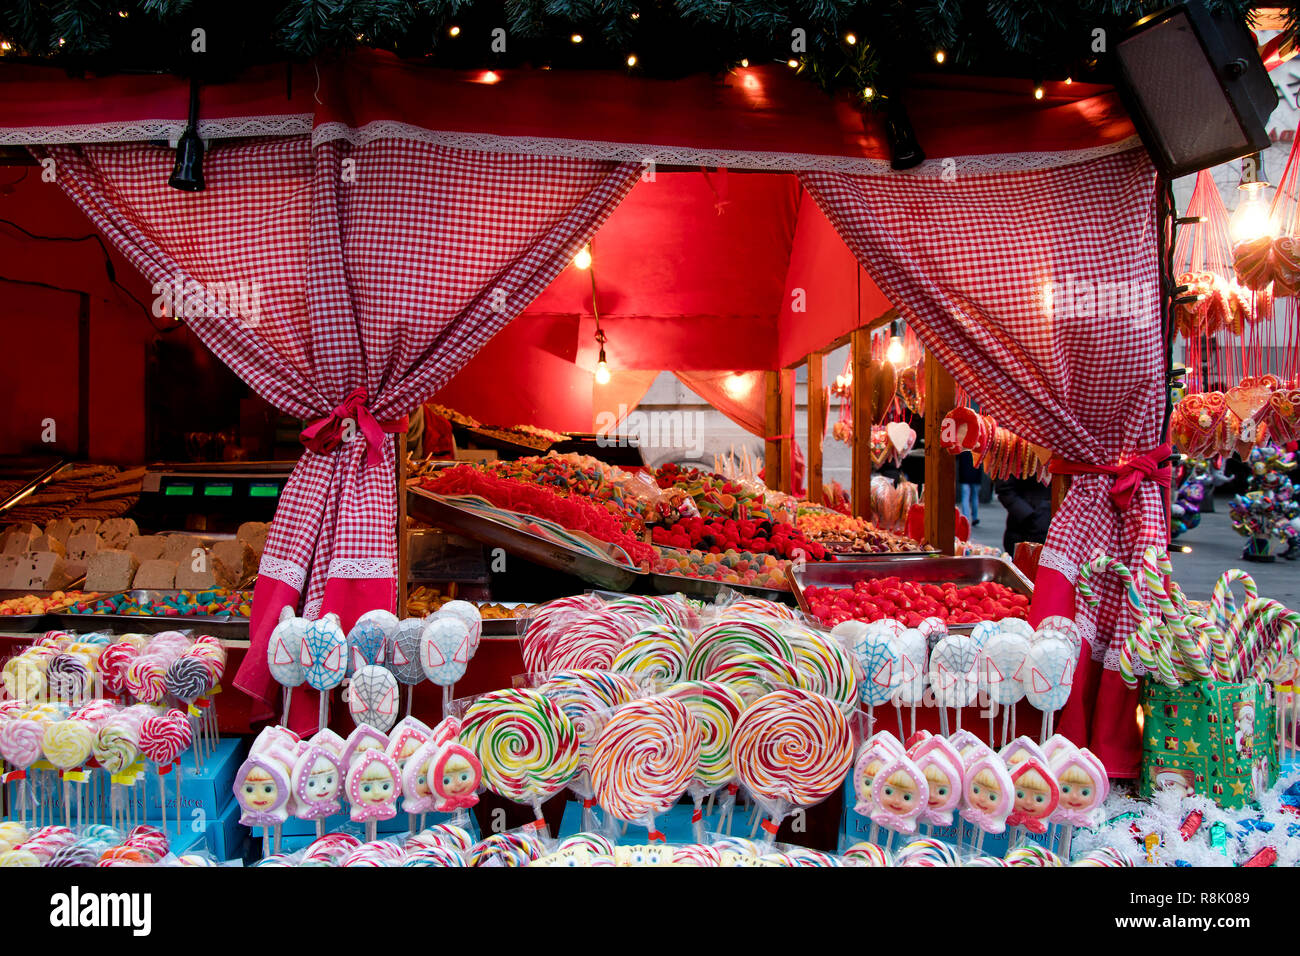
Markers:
206,791
1214,738
223,836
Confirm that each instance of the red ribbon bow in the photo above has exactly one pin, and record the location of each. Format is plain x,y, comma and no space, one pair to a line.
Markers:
326,434
1129,474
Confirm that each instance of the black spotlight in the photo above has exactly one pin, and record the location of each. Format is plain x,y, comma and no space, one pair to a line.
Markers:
187,174
904,151
1195,87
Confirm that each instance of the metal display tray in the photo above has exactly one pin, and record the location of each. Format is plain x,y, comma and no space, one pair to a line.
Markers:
704,587
924,569
25,623
221,626
434,509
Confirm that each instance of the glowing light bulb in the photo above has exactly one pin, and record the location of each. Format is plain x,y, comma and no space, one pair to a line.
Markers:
792,64
1038,92
745,62
631,59
602,373
850,38
576,38
454,31
1251,219
583,259
940,56
894,352
868,93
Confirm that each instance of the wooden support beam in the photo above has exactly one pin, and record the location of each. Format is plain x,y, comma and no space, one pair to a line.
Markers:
864,388
816,425
772,423
940,492
786,380
1060,485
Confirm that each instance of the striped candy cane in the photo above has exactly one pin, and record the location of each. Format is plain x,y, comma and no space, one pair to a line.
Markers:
1247,632
1221,601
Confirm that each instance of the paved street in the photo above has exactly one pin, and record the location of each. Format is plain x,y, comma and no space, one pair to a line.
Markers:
1214,547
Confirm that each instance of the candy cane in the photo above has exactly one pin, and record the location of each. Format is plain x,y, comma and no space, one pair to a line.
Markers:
1192,650
1221,601
1141,643
1120,570
1252,620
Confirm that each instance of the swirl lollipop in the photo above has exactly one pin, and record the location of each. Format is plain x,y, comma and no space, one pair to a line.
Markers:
68,744
146,679
791,748
586,697
644,759
716,707
528,747
162,739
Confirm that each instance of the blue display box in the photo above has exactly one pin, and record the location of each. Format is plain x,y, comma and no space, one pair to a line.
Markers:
223,837
205,791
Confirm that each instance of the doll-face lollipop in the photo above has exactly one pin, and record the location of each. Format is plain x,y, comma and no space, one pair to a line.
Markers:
1083,787
415,779
944,781
987,794
455,774
262,790
317,782
1036,795
898,795
373,786
867,766
404,741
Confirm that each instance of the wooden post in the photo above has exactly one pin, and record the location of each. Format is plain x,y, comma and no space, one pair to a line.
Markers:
772,423
403,557
816,426
787,398
1060,485
864,388
940,492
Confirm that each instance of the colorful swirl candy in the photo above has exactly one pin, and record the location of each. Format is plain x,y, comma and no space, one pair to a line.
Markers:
117,745
187,678
68,743
113,662
1031,854
67,676
652,659
146,679
434,856
726,639
330,848
20,741
78,854
716,707
544,624
162,739
927,852
761,607
696,854
792,747
24,677
47,841
506,849
665,610
446,834
591,842
527,745
591,640
645,757
753,675
867,854
824,667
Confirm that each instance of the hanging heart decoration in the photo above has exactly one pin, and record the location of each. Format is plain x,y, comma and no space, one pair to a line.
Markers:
911,385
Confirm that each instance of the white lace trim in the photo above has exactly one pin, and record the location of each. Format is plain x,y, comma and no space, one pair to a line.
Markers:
698,156
311,610
289,124
362,568
294,575
1056,561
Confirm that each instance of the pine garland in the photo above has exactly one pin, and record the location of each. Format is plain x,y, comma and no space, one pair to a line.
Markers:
1038,40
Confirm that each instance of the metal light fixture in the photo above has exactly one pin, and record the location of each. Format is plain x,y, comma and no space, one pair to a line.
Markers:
187,174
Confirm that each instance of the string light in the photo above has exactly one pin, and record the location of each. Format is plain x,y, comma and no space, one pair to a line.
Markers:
454,31
792,64
868,93
631,59
583,259
1069,80
576,38
602,373
1038,92
894,351
850,38
745,62
940,56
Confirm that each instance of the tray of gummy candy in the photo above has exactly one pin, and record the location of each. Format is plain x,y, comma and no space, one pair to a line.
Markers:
220,612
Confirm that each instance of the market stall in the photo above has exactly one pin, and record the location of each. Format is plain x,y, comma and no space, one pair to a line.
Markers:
362,315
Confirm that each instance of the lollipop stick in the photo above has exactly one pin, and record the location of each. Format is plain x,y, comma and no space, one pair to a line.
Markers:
898,711
943,720
871,719
320,828
277,838
410,698
22,800
288,694
874,832
697,819
1006,723
991,727
266,842
162,798
979,843
324,711
958,710
914,718
372,830
1042,733
177,766
446,699
67,802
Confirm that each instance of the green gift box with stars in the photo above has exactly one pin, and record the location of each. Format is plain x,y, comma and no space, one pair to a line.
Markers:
1214,738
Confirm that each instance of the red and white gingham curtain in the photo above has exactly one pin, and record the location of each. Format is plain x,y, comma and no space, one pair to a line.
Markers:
1037,288
316,271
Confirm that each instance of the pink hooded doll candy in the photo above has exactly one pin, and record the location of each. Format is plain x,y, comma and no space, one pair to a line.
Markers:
1037,795
868,764
373,786
404,742
417,793
943,777
317,782
455,774
1021,749
898,795
1084,787
987,795
262,790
